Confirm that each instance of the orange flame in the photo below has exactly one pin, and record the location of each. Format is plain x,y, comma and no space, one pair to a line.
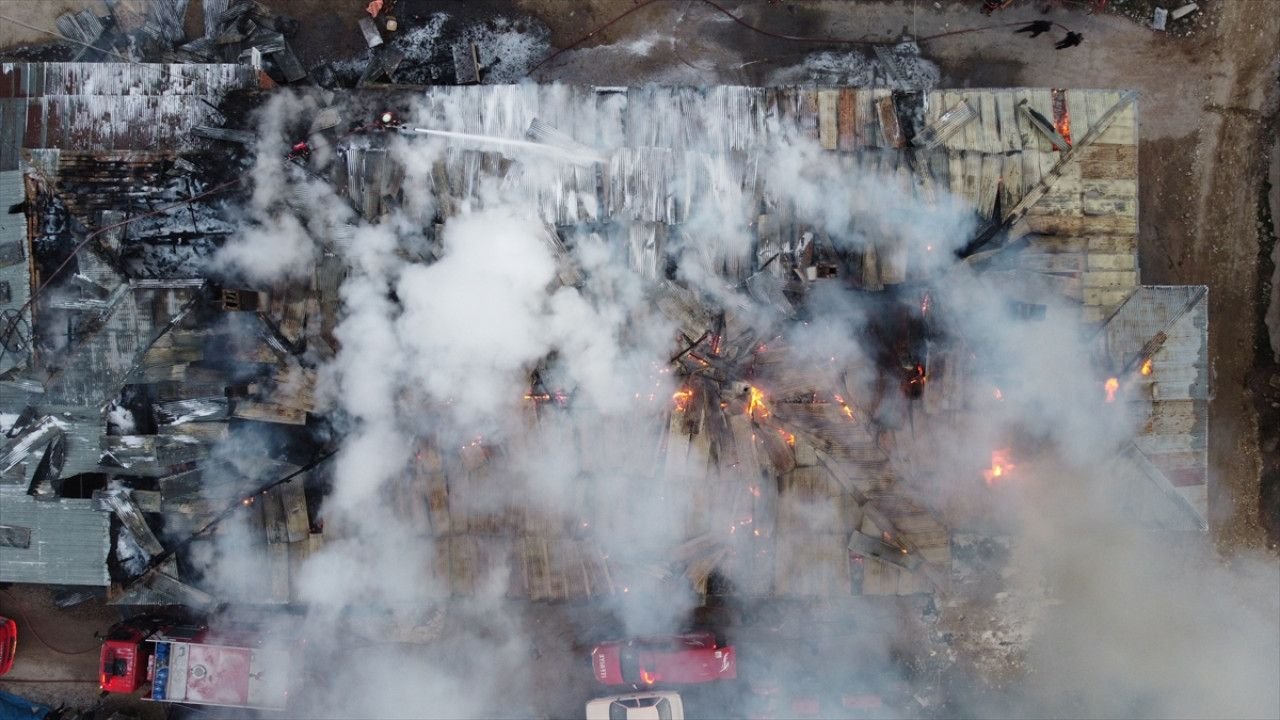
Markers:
1112,385
682,398
1064,127
844,407
558,396
1000,467
1146,366
756,409
791,439
647,677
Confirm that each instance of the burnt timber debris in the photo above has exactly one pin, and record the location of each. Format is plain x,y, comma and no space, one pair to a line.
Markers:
120,416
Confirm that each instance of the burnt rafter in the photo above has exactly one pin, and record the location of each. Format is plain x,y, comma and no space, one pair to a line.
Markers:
1006,229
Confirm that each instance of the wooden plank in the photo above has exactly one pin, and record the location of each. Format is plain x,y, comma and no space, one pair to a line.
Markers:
1110,197
869,132
990,123
1110,279
1044,128
1051,244
1079,109
828,133
1106,297
273,515
955,167
1113,262
870,269
1010,133
1026,134
1116,244
972,131
989,184
1031,172
277,568
933,108
890,128
1042,101
1052,262
1108,161
847,120
1082,224
972,178
1011,180
294,501
1124,130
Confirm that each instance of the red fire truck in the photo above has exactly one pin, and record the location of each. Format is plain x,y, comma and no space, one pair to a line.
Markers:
196,665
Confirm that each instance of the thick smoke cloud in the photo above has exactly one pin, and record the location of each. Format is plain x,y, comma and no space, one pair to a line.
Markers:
441,353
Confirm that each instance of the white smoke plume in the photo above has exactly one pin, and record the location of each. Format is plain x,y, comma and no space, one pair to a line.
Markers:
271,244
437,355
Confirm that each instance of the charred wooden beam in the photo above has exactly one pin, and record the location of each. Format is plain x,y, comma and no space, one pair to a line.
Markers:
890,127
1042,123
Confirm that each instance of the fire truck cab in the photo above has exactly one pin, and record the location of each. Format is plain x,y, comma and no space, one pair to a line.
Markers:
196,665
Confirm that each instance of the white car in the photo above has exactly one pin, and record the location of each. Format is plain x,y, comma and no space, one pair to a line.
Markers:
655,705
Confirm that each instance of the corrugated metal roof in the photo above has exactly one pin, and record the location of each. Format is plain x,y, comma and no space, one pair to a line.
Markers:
105,106
15,268
69,540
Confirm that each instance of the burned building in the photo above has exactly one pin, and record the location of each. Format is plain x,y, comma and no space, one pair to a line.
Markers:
801,482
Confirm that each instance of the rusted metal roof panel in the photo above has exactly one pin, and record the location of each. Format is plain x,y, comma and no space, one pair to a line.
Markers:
105,106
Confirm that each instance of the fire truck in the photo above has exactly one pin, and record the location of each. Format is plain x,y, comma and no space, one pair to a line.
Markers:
196,665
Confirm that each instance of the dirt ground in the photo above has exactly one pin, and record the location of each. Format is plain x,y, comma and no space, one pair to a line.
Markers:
57,660
24,22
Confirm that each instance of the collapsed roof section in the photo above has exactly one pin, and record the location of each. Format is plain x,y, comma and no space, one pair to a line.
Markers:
806,499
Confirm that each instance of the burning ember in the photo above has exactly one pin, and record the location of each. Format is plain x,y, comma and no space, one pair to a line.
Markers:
558,397
789,438
1000,467
1111,386
715,344
844,407
1146,367
1061,115
682,398
756,409
919,377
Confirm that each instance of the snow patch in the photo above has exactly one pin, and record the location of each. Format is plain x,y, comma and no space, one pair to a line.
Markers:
130,554
120,420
